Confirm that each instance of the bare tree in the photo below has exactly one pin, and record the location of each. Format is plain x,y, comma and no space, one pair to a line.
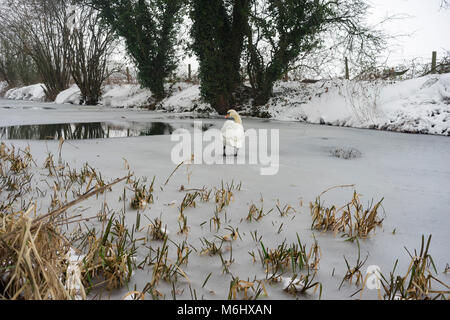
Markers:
7,62
16,67
280,34
40,29
91,45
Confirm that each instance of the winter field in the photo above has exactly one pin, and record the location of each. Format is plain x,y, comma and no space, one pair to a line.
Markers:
410,172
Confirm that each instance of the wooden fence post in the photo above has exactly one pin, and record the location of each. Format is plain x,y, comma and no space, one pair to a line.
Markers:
108,81
189,73
128,76
433,62
347,73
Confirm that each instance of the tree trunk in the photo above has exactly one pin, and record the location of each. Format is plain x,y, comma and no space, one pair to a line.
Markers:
218,42
262,95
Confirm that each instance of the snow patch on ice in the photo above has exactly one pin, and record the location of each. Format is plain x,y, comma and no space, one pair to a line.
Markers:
298,284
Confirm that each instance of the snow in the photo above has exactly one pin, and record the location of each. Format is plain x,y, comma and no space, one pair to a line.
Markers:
119,96
73,283
3,86
34,92
186,99
411,172
420,105
289,282
126,96
182,100
71,95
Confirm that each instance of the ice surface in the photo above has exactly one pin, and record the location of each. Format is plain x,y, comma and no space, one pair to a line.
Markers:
410,171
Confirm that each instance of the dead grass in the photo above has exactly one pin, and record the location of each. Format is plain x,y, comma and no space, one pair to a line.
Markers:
34,250
246,290
164,268
32,259
419,282
110,255
224,195
303,283
355,273
143,195
256,213
284,210
345,153
293,258
352,220
156,230
210,247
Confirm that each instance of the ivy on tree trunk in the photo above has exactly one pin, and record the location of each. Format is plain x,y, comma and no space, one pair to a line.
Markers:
218,34
148,28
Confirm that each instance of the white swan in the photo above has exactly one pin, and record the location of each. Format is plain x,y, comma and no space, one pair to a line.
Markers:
233,132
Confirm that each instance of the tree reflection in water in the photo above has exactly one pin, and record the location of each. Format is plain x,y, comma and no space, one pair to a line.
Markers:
158,129
92,130
67,131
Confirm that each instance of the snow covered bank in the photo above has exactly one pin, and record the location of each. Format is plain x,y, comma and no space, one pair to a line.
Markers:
126,96
119,96
34,92
71,95
420,105
183,97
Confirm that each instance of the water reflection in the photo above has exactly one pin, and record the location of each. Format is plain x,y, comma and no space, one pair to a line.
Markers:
92,130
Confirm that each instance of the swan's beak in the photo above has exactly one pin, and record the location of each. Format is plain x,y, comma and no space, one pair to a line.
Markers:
227,116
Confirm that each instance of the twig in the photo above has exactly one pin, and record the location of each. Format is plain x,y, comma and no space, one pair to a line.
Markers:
335,187
167,181
57,212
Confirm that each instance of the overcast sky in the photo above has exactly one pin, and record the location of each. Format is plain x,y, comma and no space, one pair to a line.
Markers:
429,25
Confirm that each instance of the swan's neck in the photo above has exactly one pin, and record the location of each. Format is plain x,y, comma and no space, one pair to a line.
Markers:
237,119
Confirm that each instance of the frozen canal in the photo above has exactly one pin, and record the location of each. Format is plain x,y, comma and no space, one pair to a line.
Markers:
411,173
